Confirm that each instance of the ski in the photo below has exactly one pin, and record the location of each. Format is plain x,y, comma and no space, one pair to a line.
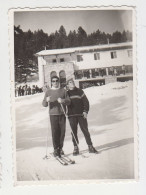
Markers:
67,159
61,160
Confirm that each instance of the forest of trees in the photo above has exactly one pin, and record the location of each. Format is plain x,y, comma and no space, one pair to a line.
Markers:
26,44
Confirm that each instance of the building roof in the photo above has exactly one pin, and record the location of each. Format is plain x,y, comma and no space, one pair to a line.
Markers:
84,49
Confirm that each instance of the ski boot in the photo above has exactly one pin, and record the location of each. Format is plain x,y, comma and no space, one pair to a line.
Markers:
56,153
92,149
76,151
61,152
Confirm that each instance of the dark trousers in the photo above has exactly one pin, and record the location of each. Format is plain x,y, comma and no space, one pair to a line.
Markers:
58,127
74,121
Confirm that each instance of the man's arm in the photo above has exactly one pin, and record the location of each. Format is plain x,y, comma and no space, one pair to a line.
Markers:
45,102
85,102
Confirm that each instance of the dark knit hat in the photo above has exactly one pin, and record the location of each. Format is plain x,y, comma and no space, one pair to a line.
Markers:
54,77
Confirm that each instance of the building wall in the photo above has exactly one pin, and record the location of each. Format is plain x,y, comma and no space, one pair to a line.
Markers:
67,67
67,58
46,66
41,64
105,60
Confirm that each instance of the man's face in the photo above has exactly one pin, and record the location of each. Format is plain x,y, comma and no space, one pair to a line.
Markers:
71,85
55,82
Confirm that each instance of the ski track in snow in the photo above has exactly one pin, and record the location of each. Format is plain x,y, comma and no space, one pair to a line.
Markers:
110,122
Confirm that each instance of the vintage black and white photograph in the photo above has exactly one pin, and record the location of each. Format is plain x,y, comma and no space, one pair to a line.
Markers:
73,75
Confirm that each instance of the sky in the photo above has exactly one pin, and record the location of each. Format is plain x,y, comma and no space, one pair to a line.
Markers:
108,21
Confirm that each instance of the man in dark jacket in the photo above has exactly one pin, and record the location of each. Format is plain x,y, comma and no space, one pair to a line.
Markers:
53,98
77,114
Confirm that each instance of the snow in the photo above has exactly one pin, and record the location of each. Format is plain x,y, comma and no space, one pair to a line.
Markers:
111,127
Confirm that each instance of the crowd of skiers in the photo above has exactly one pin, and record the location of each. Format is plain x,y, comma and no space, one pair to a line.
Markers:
27,90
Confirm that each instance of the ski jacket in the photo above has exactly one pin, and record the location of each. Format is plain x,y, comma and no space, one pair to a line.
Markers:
79,102
55,107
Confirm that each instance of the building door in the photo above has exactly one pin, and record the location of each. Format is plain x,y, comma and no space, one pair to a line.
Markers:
62,77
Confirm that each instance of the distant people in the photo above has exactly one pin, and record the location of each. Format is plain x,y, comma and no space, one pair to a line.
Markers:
16,91
33,90
40,90
19,91
29,90
22,91
77,114
25,90
36,89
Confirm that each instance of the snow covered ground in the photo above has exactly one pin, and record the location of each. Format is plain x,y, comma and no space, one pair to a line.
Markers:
111,127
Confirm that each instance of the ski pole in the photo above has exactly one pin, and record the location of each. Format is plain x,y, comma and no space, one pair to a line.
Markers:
47,140
71,129
46,156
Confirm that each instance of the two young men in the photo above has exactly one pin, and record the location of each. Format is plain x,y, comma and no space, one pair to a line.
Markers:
78,107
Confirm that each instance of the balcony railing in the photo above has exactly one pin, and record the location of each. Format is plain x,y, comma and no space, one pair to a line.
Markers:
103,72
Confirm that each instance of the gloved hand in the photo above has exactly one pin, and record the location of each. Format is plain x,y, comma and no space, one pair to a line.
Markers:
48,99
85,115
60,100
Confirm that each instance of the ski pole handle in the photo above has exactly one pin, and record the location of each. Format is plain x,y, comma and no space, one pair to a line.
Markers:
48,98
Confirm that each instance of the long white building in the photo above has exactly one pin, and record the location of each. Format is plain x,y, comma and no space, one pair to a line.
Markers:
97,63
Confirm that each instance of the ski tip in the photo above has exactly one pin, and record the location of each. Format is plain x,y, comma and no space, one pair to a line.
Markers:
61,161
73,162
45,157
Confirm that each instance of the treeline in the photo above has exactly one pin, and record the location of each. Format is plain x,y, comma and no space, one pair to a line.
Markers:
26,44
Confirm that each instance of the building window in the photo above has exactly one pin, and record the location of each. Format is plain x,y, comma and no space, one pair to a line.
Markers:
79,58
113,54
62,77
129,53
54,60
96,56
61,59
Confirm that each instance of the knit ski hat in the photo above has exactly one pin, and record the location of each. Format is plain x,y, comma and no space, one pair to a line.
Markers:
69,79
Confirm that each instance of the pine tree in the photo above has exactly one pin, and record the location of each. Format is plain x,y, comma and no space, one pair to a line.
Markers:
82,37
72,39
124,37
116,37
63,42
26,44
